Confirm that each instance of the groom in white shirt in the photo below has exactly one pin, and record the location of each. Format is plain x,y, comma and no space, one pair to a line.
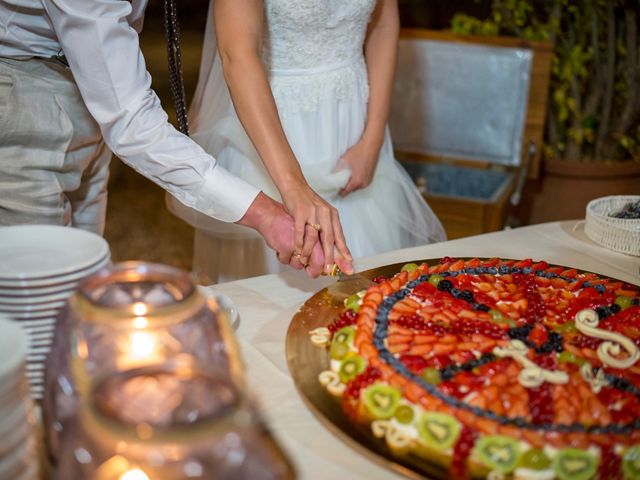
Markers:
59,125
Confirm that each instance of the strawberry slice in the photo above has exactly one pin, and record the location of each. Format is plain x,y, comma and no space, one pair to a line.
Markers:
539,334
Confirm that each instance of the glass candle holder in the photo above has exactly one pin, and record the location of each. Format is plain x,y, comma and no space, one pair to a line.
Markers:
172,421
132,315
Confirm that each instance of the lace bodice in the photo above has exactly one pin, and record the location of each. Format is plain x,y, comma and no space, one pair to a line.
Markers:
301,34
313,50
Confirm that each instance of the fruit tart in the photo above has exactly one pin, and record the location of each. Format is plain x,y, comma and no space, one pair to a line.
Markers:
494,368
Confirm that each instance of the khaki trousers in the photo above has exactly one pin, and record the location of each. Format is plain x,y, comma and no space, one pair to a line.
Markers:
54,164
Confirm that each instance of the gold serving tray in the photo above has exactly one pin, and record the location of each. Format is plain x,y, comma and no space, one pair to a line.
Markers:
306,361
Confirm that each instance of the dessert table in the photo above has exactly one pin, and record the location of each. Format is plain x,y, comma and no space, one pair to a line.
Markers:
266,305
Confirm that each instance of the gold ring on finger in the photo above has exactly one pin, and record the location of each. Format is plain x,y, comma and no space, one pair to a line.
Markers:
315,226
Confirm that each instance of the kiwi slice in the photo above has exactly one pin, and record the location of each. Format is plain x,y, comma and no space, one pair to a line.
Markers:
439,430
340,343
352,302
404,414
534,459
409,267
352,365
381,400
631,463
499,452
575,464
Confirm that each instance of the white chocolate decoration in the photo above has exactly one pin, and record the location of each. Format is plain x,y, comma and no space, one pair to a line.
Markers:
529,474
531,375
609,351
495,475
596,381
395,438
331,381
320,337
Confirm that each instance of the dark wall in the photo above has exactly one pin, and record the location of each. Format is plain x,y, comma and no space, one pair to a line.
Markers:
434,14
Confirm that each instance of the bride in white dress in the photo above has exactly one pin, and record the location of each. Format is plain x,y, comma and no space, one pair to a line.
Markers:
309,84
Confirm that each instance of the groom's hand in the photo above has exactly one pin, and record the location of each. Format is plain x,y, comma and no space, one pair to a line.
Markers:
276,226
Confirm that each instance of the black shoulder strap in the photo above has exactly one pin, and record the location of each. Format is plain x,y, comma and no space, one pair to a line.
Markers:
172,30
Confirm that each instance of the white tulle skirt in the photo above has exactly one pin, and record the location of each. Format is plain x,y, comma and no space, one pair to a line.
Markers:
323,113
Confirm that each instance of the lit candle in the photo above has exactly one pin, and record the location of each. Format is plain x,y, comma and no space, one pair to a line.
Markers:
138,348
119,468
134,474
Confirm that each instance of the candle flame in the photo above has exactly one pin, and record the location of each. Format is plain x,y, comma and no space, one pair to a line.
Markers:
139,309
140,322
142,344
134,474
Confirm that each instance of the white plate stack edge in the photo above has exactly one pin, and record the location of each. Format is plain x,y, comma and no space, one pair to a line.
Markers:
18,442
40,267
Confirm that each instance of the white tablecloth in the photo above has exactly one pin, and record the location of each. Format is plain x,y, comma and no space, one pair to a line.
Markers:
267,304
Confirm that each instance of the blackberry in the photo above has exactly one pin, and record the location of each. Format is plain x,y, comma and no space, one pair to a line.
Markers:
480,307
466,295
603,312
615,308
445,285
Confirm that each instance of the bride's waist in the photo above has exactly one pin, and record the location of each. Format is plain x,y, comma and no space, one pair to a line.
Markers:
324,68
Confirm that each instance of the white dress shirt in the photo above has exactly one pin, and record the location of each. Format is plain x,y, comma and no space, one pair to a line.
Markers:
100,41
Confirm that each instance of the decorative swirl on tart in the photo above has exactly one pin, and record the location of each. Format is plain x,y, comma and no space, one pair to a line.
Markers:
595,380
532,375
609,351
395,437
331,381
320,337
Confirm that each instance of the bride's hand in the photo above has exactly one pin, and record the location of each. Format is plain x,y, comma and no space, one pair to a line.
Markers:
361,159
315,219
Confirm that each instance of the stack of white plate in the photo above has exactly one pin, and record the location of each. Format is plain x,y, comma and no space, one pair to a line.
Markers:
18,446
40,267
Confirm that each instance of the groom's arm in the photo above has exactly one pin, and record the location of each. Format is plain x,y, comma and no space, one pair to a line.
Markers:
105,58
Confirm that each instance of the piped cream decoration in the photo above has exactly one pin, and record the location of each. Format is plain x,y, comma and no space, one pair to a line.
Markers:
608,352
597,380
395,438
495,475
320,336
531,375
331,381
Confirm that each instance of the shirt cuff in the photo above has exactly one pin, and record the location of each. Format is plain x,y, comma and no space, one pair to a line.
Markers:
224,196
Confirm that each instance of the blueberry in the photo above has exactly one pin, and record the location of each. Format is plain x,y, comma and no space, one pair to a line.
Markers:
635,301
527,270
445,285
603,312
480,307
455,292
494,270
600,288
503,269
466,295
586,285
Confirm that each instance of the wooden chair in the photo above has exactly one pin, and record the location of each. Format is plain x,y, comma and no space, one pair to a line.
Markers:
467,121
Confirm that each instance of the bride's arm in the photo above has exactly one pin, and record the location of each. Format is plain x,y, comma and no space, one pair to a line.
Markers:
380,54
239,25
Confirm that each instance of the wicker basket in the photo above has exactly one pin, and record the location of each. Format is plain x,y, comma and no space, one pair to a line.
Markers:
619,234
